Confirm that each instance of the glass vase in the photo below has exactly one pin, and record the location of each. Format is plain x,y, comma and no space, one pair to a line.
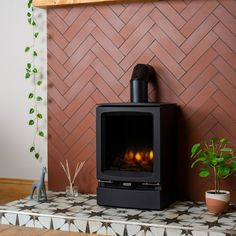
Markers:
72,191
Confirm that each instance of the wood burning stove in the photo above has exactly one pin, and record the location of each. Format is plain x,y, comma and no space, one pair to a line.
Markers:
136,154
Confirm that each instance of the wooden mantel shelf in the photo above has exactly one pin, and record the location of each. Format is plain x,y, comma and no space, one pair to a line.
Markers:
55,3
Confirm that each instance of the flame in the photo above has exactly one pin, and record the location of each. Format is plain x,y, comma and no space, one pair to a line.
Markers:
151,155
138,156
142,158
129,156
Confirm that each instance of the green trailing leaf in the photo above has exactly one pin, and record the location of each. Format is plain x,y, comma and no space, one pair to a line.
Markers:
31,122
36,156
30,3
194,149
204,172
31,111
27,75
41,133
31,95
30,72
39,98
39,115
36,34
39,82
27,49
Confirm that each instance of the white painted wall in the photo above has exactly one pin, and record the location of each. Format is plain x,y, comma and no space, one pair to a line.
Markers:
15,135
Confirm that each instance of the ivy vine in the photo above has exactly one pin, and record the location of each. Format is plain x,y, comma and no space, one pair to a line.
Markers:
32,73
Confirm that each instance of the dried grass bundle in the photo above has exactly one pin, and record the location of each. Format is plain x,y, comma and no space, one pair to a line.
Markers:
66,169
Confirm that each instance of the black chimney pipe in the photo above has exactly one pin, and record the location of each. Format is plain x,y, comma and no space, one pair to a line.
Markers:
141,75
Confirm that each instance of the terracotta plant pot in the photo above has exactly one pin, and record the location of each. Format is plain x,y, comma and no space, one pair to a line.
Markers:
217,203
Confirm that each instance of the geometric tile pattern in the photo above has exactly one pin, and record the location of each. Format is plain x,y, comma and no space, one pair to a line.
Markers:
82,214
92,50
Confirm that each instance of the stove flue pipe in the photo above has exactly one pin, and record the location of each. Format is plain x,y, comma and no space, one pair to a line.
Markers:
141,75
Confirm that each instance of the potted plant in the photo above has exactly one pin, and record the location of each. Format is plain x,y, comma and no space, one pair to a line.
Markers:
219,156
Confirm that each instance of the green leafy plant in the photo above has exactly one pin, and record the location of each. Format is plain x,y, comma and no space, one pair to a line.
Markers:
32,73
218,155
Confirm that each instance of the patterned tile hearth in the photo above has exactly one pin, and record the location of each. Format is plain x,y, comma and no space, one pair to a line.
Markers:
82,214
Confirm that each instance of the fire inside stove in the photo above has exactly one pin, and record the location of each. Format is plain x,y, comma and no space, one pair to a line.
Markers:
131,160
128,141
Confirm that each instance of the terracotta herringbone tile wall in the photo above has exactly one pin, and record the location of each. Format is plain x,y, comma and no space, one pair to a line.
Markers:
92,51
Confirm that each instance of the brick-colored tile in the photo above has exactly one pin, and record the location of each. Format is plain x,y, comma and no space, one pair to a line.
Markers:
223,50
136,20
107,44
226,36
56,81
167,60
200,99
103,72
226,104
226,18
198,67
79,130
79,23
114,20
167,43
167,27
199,50
92,52
199,33
176,19
198,84
199,17
55,20
191,9
136,51
80,53
107,29
136,36
107,60
80,84
79,69
79,100
226,70
79,38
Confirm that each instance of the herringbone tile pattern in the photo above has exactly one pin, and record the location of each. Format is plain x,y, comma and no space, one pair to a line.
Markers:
91,54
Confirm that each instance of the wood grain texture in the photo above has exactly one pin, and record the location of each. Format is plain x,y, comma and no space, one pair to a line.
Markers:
10,230
14,189
191,45
58,3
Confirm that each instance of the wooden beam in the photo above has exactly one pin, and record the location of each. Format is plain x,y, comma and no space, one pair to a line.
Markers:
58,3
51,3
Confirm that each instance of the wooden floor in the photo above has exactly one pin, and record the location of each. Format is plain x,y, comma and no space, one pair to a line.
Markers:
10,191
9,230
14,189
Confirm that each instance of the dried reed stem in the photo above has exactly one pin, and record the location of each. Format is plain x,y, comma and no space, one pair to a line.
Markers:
66,169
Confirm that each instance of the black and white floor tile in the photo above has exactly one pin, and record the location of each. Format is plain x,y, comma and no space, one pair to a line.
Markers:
82,214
